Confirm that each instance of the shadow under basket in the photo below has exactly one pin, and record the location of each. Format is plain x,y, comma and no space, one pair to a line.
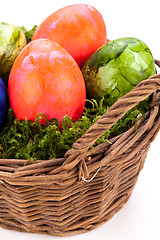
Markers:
86,187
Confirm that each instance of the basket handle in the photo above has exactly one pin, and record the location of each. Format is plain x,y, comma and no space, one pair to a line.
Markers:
116,112
79,149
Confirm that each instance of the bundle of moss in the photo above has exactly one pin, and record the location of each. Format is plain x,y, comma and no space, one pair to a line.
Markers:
32,140
28,33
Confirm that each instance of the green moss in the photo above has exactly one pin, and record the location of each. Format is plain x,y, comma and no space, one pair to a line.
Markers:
29,33
31,140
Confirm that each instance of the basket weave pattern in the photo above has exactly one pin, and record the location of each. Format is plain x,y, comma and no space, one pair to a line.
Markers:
88,186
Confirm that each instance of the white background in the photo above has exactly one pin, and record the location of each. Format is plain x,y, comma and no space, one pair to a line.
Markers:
140,217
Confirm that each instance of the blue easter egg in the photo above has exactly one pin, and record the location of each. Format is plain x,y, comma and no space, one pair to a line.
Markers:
3,102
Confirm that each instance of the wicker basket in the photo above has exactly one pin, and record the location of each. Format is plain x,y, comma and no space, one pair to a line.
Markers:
88,186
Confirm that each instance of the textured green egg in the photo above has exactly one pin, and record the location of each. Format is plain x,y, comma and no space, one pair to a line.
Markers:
12,40
116,68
